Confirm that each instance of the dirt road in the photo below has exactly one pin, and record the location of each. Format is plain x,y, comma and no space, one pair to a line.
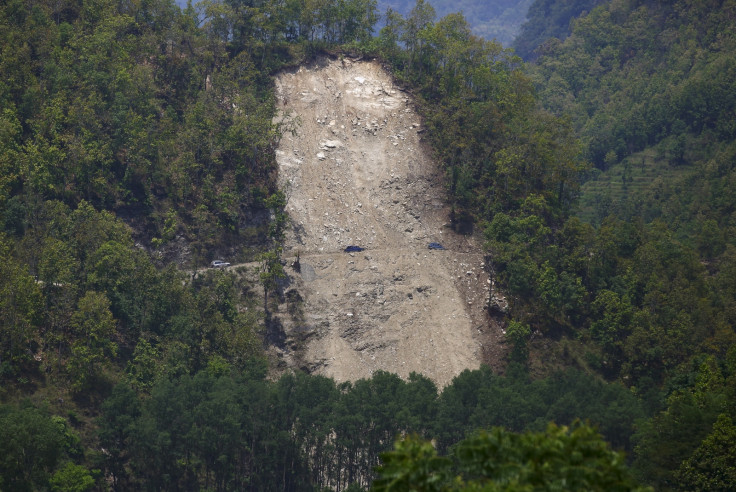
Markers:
357,173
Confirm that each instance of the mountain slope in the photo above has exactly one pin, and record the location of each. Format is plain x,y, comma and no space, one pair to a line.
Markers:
495,19
357,173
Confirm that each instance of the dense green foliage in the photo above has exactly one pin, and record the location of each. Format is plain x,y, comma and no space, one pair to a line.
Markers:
134,108
499,149
31,446
649,88
638,74
548,19
236,431
647,288
639,81
95,295
131,109
647,297
557,459
133,133
497,20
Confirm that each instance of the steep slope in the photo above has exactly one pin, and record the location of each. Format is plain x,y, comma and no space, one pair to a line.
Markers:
357,173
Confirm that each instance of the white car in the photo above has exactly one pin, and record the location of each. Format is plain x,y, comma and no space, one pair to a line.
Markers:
219,264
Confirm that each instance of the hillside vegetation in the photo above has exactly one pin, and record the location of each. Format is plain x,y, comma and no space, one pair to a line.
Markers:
547,20
137,143
649,88
498,20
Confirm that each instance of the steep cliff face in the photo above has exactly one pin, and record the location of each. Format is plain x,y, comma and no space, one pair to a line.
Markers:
357,173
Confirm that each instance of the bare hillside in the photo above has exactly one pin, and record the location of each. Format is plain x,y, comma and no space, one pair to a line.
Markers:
357,173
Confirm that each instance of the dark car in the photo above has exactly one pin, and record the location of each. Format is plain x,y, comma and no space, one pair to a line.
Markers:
435,246
353,249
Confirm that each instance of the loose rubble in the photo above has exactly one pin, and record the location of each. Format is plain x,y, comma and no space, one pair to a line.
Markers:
358,173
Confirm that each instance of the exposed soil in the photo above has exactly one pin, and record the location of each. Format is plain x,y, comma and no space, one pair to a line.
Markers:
356,172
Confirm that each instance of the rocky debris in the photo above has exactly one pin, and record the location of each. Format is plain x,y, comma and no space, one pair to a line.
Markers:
357,173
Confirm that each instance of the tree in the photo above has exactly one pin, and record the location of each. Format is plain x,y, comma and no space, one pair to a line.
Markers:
10,133
30,446
356,20
20,312
144,367
420,17
93,328
518,334
72,478
89,229
389,37
272,268
548,19
713,465
412,465
612,324
671,437
126,276
561,458
116,427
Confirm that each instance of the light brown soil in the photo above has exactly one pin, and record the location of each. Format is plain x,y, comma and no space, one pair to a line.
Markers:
357,173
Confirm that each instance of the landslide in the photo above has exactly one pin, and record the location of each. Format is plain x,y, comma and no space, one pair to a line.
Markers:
356,172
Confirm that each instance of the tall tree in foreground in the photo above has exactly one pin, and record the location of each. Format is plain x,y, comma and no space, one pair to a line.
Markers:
560,458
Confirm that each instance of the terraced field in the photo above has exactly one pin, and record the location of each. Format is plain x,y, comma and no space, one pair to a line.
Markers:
625,184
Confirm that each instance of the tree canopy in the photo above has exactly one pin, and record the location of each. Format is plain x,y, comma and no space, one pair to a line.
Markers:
137,143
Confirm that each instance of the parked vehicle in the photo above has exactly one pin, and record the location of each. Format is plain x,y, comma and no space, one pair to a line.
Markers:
353,249
435,246
219,264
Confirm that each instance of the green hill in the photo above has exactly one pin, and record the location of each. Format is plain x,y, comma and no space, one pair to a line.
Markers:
491,19
137,144
548,19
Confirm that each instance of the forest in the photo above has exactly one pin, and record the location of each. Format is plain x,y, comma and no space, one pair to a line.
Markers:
137,143
498,20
